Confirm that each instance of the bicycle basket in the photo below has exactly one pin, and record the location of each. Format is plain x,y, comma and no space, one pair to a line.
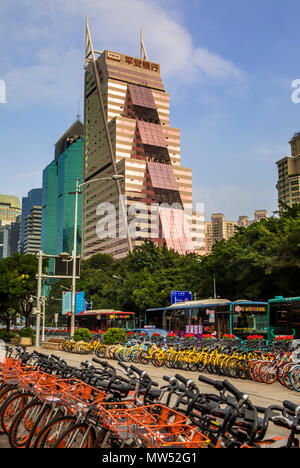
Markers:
156,414
11,370
81,397
179,436
113,416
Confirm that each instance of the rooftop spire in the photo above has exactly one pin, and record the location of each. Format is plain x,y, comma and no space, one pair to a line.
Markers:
144,55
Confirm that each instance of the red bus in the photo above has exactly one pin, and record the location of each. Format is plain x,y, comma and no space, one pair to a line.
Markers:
102,320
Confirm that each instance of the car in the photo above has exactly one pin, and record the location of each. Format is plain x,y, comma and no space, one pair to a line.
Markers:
149,332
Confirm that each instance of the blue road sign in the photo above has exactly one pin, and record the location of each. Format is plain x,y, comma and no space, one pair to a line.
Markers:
180,296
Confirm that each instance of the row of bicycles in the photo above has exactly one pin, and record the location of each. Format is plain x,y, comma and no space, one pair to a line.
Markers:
234,359
46,403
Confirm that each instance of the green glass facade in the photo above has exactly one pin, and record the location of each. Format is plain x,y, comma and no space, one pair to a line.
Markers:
58,207
69,168
49,209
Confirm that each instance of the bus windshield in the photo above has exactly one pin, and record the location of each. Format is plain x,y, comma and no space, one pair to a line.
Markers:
127,324
100,321
249,320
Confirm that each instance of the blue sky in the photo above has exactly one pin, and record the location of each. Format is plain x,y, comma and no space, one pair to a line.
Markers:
229,66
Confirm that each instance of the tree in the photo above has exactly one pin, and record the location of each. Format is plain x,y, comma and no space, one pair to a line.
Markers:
17,286
258,262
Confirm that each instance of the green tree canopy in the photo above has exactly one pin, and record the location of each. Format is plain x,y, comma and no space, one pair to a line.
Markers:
17,286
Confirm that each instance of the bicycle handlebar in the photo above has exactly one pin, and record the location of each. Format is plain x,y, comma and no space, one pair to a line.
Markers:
215,383
235,391
293,407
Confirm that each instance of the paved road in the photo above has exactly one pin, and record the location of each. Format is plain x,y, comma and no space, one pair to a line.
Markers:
260,394
3,442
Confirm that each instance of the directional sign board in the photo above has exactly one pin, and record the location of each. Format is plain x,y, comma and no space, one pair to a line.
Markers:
79,303
180,296
67,303
65,268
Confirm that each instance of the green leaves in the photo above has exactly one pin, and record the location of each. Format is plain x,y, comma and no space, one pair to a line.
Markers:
17,284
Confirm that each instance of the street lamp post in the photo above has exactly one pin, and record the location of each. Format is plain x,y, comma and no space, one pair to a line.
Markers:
44,317
39,293
115,177
72,325
215,288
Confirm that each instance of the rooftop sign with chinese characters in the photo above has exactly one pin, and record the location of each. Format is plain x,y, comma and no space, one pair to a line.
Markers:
133,61
129,69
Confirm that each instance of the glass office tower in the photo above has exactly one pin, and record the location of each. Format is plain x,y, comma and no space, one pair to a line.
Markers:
58,204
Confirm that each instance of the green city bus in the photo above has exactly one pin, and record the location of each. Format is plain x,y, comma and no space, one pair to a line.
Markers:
212,316
284,316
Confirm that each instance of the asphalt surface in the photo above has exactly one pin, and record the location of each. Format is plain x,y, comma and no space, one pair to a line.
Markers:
259,393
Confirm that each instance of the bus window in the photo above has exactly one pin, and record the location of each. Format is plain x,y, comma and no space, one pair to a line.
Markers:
296,316
244,324
295,320
282,316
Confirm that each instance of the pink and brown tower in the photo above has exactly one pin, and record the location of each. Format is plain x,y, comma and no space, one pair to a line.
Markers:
128,132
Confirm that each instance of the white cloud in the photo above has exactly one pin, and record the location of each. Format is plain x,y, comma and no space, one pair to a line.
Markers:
215,66
51,37
55,79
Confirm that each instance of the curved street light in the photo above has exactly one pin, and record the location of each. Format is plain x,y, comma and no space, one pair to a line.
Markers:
117,178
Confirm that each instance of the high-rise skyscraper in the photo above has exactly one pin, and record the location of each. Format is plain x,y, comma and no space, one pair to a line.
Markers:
34,198
128,132
9,238
288,185
58,204
10,209
32,230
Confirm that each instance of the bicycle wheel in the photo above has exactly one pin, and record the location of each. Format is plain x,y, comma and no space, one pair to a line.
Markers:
284,374
53,431
268,373
106,439
142,357
6,393
14,404
169,359
157,359
23,424
43,418
295,378
61,346
101,351
78,436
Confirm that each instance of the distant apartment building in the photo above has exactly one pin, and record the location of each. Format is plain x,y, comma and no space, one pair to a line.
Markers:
14,236
259,215
288,184
10,209
208,237
33,198
9,238
4,242
58,199
32,231
243,221
219,228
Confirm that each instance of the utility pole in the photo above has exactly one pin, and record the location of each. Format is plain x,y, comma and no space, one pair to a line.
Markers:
215,289
39,293
44,317
72,324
